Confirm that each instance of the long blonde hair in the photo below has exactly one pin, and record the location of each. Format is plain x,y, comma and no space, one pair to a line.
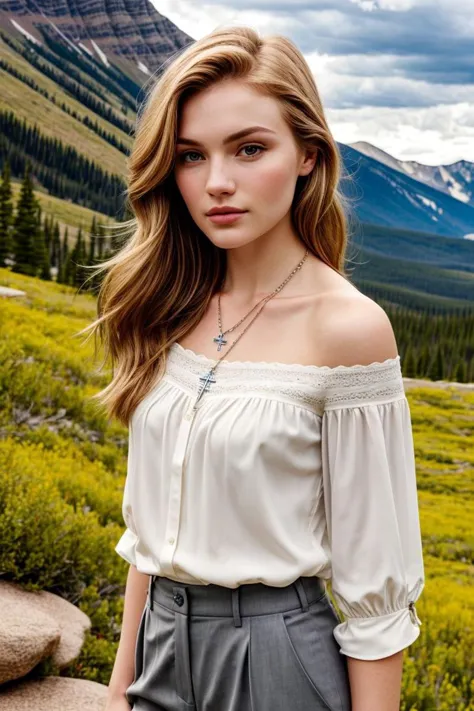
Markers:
158,286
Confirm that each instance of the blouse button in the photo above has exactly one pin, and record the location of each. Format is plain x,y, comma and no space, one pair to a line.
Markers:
171,540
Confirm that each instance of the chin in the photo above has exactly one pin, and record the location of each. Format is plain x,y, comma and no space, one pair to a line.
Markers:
233,241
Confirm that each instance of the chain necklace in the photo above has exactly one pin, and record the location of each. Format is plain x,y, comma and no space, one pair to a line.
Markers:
207,378
220,340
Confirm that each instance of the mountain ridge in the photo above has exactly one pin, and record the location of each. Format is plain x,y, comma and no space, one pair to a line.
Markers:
454,179
132,33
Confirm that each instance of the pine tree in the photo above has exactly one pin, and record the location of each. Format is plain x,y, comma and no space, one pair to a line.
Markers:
56,246
409,363
47,232
38,256
6,215
100,241
26,228
92,241
45,272
436,369
79,258
460,372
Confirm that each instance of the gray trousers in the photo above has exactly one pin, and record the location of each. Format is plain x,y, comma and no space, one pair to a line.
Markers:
252,648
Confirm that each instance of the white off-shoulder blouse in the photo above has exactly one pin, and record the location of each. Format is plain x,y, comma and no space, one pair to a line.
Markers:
284,470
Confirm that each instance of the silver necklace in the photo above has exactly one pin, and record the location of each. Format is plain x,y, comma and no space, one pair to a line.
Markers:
207,378
220,340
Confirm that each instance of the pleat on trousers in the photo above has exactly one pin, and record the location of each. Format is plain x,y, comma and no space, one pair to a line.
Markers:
252,648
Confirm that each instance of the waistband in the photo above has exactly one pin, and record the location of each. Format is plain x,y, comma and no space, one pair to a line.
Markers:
243,601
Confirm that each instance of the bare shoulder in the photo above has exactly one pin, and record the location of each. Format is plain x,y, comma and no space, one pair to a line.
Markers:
354,329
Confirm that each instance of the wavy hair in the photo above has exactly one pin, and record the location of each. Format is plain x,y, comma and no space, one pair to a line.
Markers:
159,284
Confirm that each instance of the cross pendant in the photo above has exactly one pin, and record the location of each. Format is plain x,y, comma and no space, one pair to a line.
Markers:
220,340
206,380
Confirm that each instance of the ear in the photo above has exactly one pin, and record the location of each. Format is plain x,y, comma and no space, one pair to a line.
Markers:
308,163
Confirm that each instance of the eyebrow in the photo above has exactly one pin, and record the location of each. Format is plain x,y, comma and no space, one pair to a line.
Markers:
229,139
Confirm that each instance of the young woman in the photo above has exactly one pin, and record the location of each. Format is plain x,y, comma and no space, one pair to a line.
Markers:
270,448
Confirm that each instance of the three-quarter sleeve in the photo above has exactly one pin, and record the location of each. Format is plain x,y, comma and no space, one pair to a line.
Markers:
371,505
126,547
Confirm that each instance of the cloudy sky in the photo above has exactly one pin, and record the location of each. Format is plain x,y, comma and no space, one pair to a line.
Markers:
396,73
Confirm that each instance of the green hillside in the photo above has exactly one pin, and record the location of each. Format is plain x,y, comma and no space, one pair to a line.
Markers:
32,106
67,213
58,452
415,246
418,276
62,100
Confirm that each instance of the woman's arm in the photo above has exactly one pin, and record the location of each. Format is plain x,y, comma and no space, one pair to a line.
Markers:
376,684
370,494
135,599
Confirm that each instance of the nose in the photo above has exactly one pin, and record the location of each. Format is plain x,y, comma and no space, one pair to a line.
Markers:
218,179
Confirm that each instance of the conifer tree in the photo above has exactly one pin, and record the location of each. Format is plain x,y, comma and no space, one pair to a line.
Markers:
38,257
100,241
47,231
6,214
56,246
410,370
436,369
45,271
67,269
79,258
92,241
26,228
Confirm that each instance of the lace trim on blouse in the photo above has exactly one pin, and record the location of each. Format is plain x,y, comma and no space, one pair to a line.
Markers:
316,387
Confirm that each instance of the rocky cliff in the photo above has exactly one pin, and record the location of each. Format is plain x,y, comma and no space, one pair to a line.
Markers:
131,33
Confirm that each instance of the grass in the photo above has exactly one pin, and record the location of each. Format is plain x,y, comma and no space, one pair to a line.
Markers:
45,370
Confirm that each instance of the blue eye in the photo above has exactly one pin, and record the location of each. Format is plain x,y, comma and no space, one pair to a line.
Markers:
253,145
189,154
183,155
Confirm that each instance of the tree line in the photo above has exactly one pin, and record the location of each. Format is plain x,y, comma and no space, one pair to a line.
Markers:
433,346
77,86
63,171
32,244
86,119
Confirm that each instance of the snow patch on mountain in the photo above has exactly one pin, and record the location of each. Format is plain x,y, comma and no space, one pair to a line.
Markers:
454,180
430,203
143,68
24,32
86,49
102,55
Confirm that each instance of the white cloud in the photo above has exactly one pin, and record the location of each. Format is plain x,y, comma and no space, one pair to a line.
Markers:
435,136
390,5
397,82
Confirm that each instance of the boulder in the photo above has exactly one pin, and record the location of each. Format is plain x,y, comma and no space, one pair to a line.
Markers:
35,626
53,693
9,292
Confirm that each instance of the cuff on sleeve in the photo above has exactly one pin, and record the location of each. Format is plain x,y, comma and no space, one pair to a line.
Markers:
382,635
126,546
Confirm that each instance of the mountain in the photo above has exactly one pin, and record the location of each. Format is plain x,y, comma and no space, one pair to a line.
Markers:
131,33
73,73
383,195
455,179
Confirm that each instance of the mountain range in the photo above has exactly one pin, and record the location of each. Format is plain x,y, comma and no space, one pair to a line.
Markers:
78,69
132,32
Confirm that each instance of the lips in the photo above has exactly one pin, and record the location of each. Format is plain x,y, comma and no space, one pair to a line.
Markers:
224,211
226,218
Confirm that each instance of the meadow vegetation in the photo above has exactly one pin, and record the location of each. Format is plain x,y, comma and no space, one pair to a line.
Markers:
62,470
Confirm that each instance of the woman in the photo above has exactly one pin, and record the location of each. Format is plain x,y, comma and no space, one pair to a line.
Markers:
254,480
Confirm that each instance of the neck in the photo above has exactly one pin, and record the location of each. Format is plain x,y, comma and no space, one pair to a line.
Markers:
258,268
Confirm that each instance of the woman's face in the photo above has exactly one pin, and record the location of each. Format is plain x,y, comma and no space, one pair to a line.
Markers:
256,172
